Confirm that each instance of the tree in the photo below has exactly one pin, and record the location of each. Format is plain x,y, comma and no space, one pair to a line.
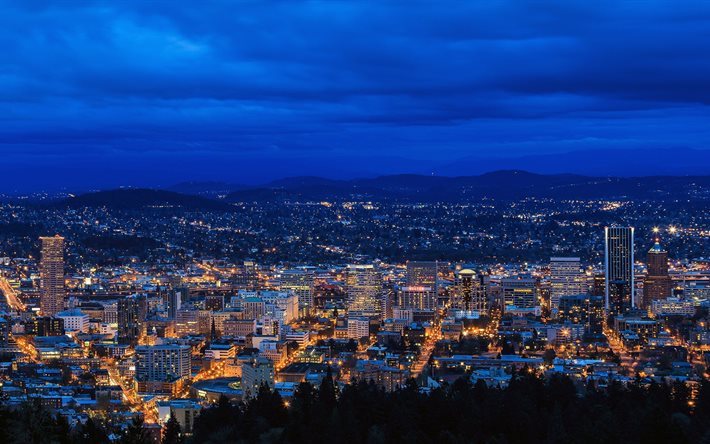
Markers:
91,433
549,356
136,434
172,432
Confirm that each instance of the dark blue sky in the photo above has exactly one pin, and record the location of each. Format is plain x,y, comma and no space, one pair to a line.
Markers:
148,93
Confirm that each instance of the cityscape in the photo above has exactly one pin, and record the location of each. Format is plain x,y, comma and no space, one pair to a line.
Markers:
354,221
148,313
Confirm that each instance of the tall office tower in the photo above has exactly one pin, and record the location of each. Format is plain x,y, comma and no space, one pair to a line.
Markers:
162,362
245,276
51,268
657,284
131,313
175,299
300,282
423,274
363,285
619,269
417,298
566,279
469,293
519,293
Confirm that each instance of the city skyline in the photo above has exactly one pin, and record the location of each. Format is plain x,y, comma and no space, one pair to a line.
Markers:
354,221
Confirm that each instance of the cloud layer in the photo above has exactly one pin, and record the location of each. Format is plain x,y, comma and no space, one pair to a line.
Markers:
149,92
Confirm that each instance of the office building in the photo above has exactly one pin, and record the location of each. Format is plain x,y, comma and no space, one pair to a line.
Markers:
619,269
363,286
175,299
74,320
300,283
566,279
584,309
131,313
162,362
519,293
51,269
418,298
255,373
358,327
423,274
657,285
45,326
468,292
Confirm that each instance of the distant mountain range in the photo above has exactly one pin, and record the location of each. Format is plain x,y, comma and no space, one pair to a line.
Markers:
597,162
514,184
498,185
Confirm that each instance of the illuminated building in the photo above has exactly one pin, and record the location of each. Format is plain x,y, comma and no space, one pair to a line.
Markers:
673,307
619,269
162,362
419,298
363,287
45,326
423,274
657,285
187,322
519,293
131,313
74,320
582,309
255,373
175,299
300,282
358,327
468,294
52,291
566,279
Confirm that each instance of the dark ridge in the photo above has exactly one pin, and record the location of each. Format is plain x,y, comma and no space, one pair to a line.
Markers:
506,184
138,198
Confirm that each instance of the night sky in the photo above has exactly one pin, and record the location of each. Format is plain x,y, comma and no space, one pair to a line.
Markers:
100,94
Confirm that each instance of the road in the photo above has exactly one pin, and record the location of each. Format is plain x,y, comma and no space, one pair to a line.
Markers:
28,348
427,350
11,296
134,401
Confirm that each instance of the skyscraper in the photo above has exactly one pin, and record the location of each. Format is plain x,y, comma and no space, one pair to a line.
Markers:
131,313
619,269
566,279
469,294
423,274
300,282
363,285
175,298
657,284
51,269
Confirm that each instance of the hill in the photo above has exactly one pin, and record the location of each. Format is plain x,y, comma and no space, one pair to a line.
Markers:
139,198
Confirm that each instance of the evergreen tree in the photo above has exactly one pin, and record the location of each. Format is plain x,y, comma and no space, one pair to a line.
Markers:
172,432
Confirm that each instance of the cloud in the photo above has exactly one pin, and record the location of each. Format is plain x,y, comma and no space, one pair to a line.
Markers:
416,79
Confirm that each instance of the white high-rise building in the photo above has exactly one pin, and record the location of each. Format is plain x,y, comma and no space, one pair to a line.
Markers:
566,279
300,282
363,285
162,362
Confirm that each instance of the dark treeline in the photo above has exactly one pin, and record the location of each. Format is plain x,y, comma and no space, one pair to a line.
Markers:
530,410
